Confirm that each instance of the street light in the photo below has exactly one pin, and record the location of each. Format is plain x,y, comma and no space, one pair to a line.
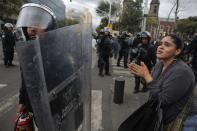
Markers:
109,12
145,16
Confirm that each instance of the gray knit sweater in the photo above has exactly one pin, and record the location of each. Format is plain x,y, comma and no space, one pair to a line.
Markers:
173,86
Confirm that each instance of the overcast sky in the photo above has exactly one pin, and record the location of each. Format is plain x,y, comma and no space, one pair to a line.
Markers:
187,8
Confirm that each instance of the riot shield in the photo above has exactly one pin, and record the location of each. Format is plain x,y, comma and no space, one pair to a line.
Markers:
56,68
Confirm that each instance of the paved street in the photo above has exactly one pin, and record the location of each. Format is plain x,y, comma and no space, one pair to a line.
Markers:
106,116
114,114
9,86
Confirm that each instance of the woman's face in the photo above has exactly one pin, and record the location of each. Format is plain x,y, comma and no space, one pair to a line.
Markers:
167,49
144,40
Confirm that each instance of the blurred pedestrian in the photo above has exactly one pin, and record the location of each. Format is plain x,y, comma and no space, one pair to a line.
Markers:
172,81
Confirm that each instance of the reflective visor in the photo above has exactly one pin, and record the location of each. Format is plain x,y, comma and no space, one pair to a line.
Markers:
33,17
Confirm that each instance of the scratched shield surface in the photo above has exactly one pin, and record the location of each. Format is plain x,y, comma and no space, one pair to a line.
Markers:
56,68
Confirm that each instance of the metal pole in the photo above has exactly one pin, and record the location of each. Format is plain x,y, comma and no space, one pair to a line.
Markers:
176,13
145,15
109,12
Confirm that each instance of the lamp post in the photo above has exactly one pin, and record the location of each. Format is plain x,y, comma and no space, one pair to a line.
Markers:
145,15
109,12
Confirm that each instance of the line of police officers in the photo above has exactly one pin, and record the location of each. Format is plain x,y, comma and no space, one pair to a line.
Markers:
141,50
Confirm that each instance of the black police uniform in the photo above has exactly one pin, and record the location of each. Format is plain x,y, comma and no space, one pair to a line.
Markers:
105,51
124,50
134,48
8,41
147,54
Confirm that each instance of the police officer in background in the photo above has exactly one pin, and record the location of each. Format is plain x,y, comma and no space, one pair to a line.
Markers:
134,46
33,20
8,41
116,45
147,54
192,49
124,48
104,52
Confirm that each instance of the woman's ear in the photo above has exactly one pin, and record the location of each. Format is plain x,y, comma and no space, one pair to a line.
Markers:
177,52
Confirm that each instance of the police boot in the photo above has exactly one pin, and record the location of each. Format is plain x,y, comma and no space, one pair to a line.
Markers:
101,72
144,89
137,85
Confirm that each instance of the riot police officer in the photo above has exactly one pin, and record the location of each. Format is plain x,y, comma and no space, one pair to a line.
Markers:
8,41
124,48
134,46
147,54
104,52
33,20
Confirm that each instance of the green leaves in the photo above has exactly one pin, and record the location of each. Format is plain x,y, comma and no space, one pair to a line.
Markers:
131,16
187,26
103,11
103,8
10,7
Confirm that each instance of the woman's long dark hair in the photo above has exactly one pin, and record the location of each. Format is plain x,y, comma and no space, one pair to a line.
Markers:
179,44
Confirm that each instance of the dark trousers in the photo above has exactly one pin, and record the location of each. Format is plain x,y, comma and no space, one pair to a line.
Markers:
103,63
8,55
137,84
125,55
115,55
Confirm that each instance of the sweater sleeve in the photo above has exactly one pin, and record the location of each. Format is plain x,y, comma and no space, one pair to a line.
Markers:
174,87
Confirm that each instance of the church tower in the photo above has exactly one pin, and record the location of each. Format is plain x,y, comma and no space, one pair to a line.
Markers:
154,8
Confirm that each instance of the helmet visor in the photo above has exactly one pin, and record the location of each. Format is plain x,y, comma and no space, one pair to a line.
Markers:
34,17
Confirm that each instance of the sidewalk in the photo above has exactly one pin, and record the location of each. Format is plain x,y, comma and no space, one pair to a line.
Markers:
119,112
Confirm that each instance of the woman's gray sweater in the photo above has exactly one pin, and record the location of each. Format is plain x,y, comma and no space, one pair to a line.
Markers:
173,86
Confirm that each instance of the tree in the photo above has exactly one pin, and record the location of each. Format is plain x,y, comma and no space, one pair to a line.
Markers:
131,16
103,8
178,6
152,21
187,26
71,21
103,11
10,7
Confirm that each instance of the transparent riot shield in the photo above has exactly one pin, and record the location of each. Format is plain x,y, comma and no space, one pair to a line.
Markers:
56,68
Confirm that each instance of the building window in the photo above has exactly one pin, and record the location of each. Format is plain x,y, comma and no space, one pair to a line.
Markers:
155,9
161,27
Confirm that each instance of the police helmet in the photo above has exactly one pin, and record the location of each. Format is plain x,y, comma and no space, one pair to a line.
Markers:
138,35
101,30
8,25
35,15
145,34
124,34
106,30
